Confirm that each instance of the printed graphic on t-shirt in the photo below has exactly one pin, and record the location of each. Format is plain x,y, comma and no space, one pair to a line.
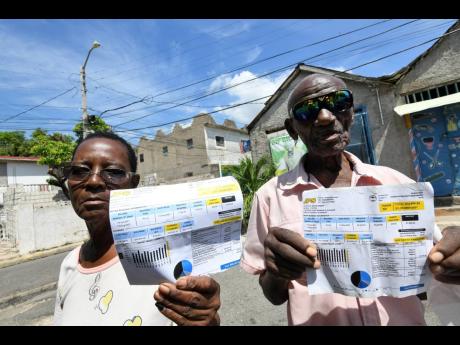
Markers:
105,301
94,289
135,321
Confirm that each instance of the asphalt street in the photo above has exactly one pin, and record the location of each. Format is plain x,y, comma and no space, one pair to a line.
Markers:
28,294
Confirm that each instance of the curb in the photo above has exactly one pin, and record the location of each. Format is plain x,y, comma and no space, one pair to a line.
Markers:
25,295
38,255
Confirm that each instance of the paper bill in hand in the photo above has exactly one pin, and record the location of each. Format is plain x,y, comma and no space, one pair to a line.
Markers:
162,233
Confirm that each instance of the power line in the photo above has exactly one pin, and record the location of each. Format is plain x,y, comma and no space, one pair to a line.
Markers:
379,44
338,72
188,41
191,117
268,58
38,105
269,73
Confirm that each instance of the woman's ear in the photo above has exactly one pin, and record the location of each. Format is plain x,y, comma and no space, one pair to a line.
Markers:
135,180
290,129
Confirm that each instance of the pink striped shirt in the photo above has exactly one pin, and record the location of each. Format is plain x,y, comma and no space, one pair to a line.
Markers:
278,204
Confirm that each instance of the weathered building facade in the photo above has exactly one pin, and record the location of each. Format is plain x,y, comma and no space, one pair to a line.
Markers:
379,134
196,151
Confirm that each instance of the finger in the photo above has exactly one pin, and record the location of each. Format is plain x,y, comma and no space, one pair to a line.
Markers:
191,298
179,319
452,261
449,242
436,269
186,311
280,261
435,256
289,253
202,284
295,240
283,272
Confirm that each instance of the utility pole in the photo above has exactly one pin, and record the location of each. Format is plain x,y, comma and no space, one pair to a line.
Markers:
85,118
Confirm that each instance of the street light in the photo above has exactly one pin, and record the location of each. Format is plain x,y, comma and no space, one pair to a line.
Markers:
96,44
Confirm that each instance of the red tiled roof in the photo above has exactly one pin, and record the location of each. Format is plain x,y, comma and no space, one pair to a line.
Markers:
16,158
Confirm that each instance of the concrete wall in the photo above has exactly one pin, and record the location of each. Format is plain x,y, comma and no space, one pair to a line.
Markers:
26,173
3,175
182,161
390,138
229,154
440,66
41,220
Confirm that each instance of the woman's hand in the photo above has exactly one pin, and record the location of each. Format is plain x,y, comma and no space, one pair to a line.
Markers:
444,257
192,301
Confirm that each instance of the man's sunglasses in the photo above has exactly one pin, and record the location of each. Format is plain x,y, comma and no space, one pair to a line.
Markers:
336,102
76,174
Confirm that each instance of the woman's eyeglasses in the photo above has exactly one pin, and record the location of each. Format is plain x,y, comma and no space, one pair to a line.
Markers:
336,102
79,174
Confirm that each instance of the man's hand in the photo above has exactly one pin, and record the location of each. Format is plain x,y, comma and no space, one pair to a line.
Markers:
287,254
445,256
192,301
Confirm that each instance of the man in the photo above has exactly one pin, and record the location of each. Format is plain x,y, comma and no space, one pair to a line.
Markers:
320,114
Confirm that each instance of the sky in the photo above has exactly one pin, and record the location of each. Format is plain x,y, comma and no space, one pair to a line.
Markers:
158,72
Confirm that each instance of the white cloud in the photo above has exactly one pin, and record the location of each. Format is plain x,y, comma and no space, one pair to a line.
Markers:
245,92
253,54
226,31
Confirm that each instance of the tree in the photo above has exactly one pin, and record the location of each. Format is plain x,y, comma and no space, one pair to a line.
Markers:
53,150
251,177
14,144
96,124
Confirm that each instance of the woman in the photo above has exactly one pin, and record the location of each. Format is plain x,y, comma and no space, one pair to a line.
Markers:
93,288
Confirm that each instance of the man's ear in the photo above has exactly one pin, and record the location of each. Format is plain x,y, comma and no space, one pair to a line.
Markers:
135,180
290,129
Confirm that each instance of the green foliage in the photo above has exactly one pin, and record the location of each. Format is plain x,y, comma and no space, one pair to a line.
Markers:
14,144
251,177
53,149
96,124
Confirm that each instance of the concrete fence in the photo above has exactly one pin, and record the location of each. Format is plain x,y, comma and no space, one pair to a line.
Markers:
38,218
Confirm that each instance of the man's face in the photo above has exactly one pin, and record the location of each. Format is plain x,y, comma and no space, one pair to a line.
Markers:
90,198
328,133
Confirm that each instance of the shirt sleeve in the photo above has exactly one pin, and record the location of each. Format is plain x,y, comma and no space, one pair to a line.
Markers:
252,260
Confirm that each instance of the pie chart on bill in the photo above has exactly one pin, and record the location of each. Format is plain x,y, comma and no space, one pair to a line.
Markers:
182,269
361,279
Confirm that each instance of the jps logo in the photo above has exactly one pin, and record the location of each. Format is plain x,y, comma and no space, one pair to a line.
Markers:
310,201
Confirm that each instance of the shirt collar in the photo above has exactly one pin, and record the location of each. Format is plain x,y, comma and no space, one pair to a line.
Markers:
298,175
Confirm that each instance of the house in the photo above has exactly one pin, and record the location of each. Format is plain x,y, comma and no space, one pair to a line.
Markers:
409,120
191,152
22,170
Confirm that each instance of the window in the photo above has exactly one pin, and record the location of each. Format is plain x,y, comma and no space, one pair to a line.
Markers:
165,150
433,93
425,95
411,98
220,141
442,91
141,157
188,174
451,89
418,97
189,143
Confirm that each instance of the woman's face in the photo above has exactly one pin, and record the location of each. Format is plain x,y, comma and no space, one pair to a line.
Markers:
90,197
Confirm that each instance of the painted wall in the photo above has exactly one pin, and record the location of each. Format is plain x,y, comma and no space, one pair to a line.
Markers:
389,135
26,173
230,153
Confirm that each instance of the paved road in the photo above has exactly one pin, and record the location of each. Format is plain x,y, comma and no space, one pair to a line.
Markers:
242,299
